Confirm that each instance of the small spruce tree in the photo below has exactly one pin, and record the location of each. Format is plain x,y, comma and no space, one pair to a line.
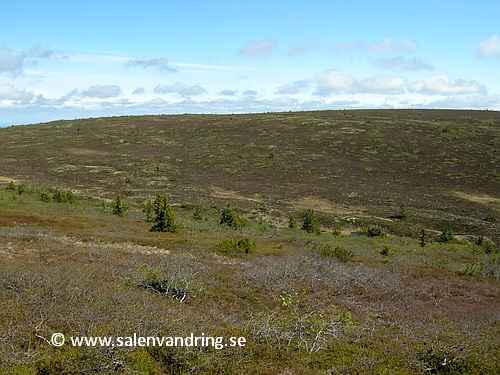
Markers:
424,237
403,214
292,223
198,212
119,208
310,223
164,219
230,218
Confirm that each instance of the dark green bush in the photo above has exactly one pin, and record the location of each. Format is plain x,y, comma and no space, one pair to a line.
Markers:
387,251
373,232
164,219
337,232
310,222
230,218
198,212
45,197
424,237
59,196
119,208
243,245
446,236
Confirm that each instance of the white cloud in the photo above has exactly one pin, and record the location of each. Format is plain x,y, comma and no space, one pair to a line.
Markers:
294,87
227,92
157,102
13,62
191,67
337,82
490,47
345,46
139,91
303,47
383,85
388,46
250,93
10,61
160,64
261,48
440,84
491,102
180,89
403,63
102,91
334,81
39,52
8,92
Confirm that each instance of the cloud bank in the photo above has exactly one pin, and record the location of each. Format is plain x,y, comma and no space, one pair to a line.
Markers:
440,84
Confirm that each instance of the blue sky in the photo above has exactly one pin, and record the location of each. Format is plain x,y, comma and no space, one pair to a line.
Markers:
73,59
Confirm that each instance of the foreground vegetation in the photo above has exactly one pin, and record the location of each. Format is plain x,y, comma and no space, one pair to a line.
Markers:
317,279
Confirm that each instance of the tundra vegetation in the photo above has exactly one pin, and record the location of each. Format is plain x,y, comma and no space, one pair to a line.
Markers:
335,242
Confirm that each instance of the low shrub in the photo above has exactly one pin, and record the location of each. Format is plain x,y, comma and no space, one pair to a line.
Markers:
292,327
343,254
337,232
340,253
230,218
373,232
170,280
59,196
45,197
490,268
485,246
243,245
446,236
442,361
387,251
198,213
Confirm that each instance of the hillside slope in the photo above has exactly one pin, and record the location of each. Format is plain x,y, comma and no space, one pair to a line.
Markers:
443,165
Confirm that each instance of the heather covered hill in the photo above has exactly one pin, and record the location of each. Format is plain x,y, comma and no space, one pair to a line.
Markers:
434,161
